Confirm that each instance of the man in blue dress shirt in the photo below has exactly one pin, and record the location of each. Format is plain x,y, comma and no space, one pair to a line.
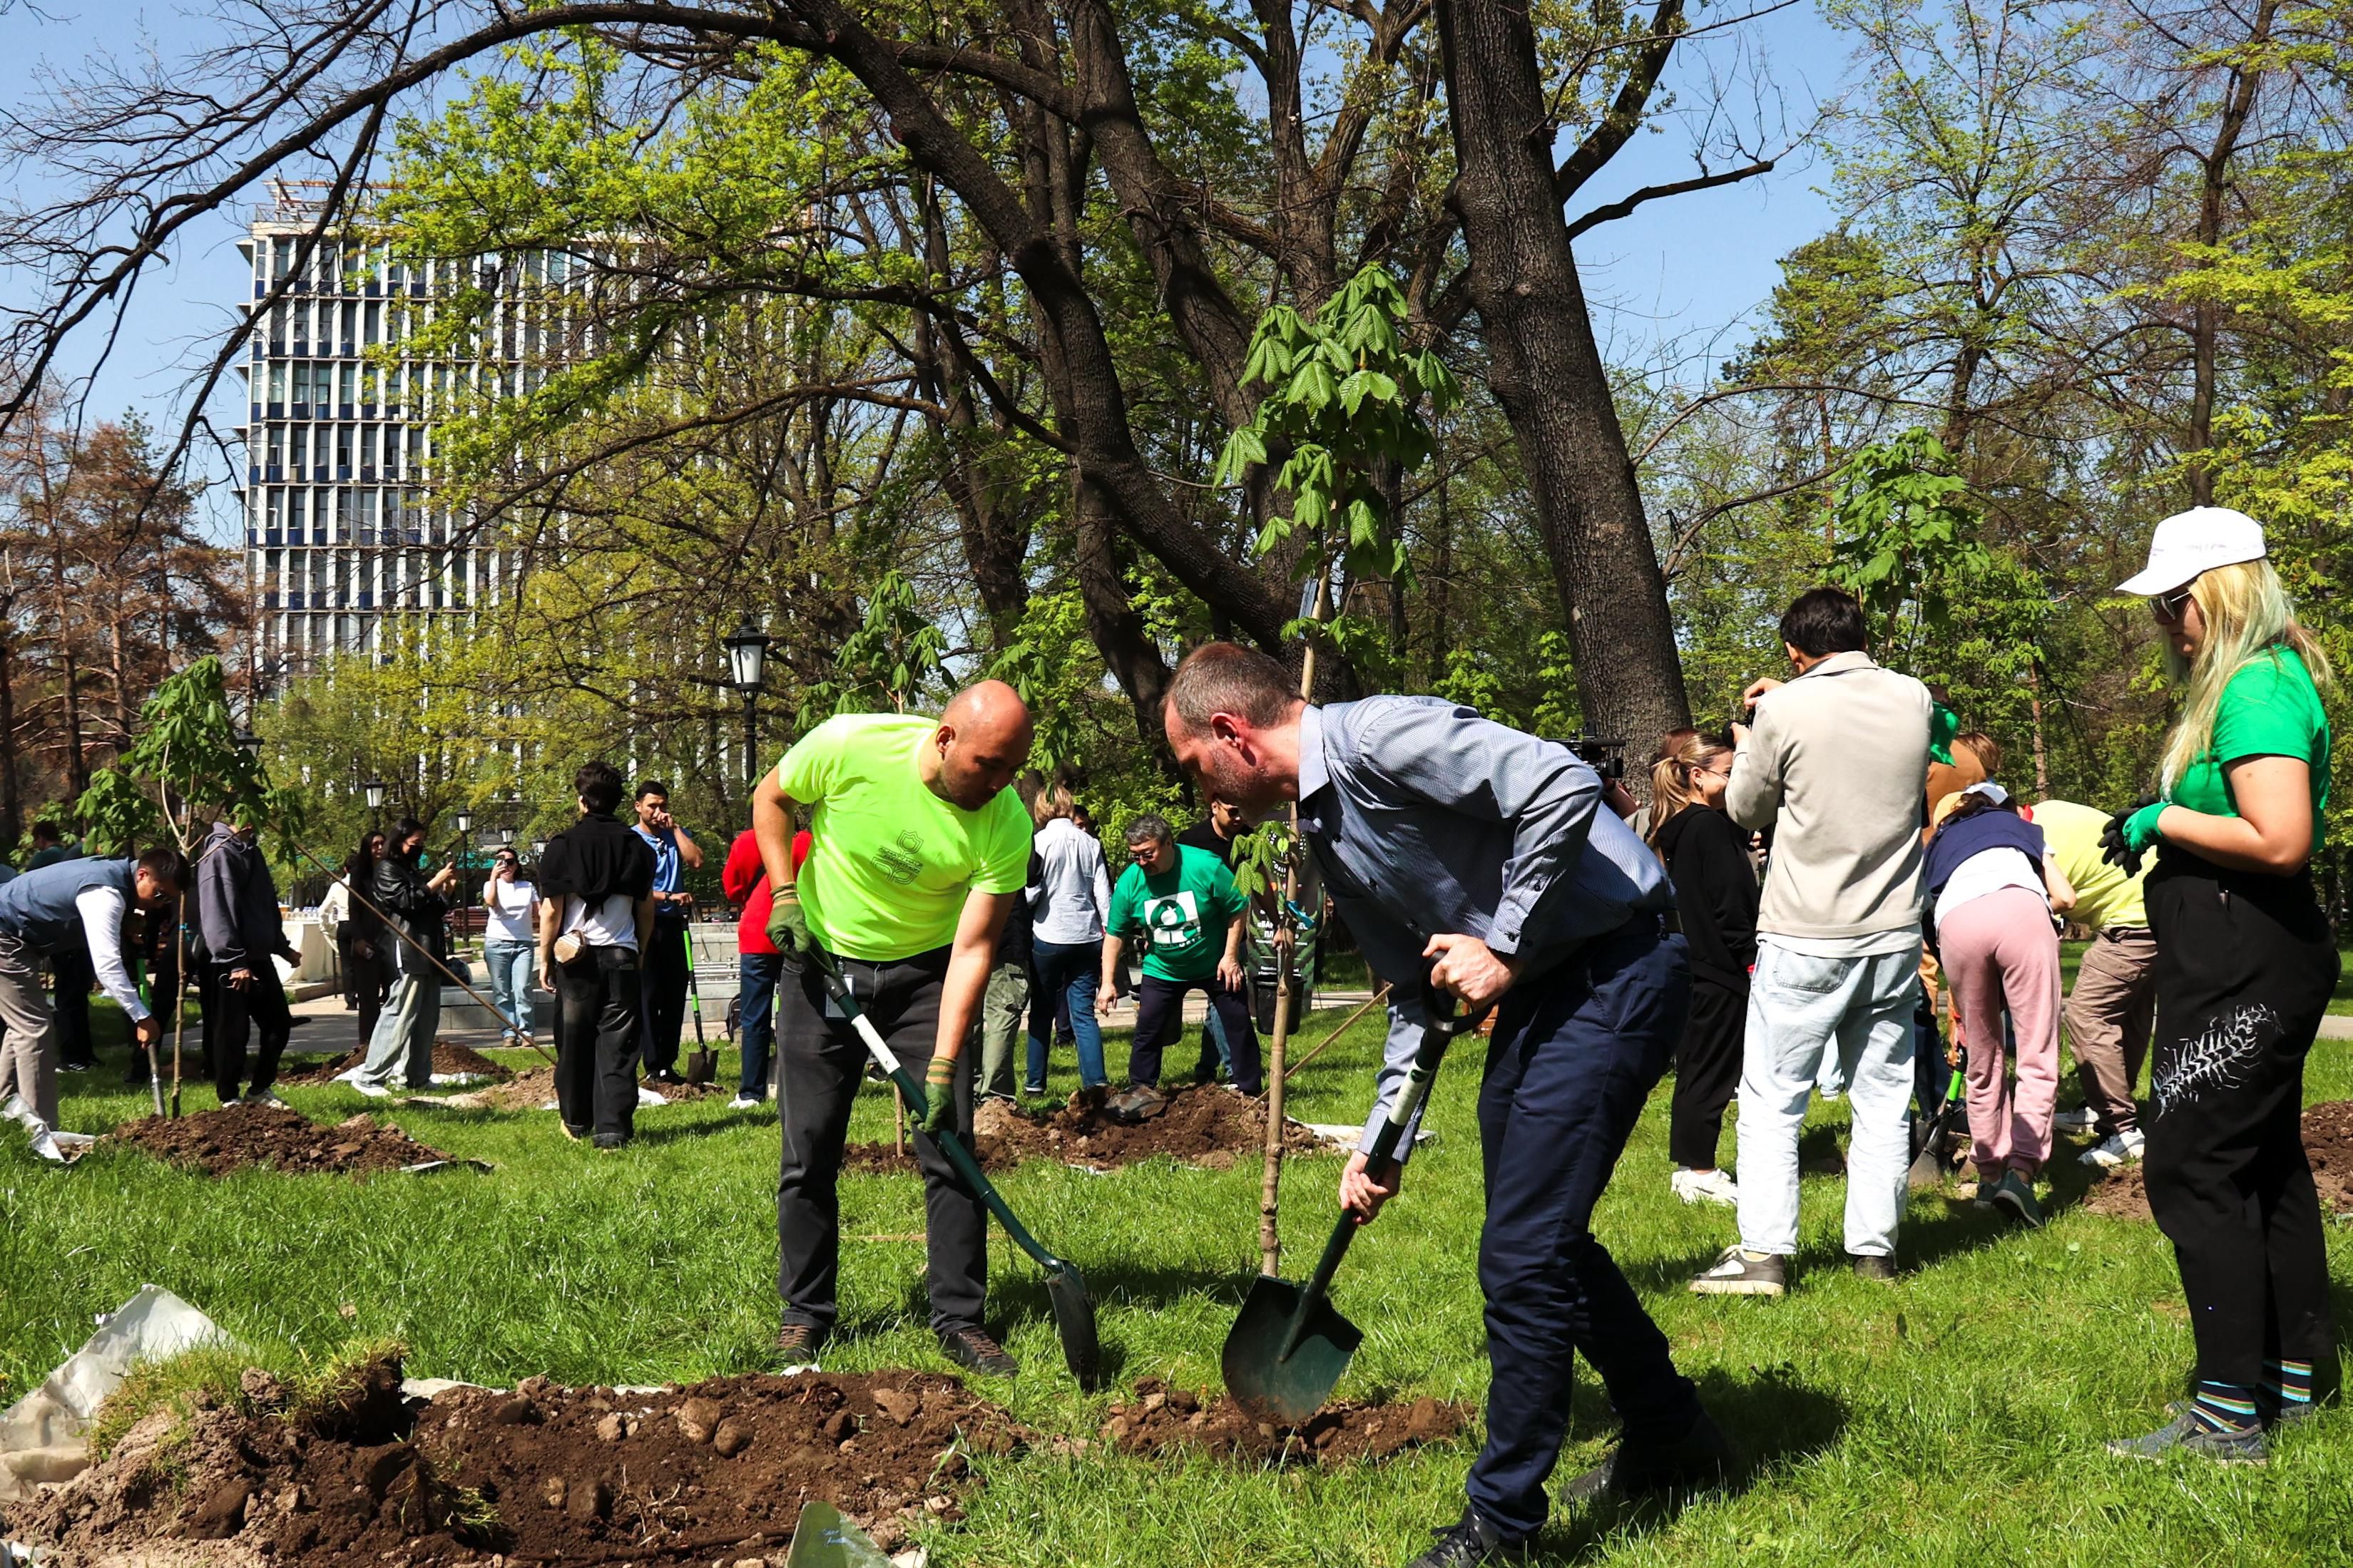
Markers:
1478,854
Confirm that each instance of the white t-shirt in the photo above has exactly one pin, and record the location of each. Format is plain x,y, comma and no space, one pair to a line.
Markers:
612,923
509,909
1988,871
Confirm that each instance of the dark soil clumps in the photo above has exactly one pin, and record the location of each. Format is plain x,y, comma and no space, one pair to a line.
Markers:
1208,1127
1160,1418
2327,1143
448,1056
715,1472
238,1136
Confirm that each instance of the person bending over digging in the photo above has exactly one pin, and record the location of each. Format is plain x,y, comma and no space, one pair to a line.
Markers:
1182,905
73,906
1477,853
918,848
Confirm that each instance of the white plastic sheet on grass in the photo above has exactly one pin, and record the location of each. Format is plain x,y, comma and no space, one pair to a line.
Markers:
41,1436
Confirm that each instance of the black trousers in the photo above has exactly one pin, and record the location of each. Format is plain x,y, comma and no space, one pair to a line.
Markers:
819,1065
1575,1054
1707,1070
1160,1019
665,972
2244,967
598,997
73,977
229,1026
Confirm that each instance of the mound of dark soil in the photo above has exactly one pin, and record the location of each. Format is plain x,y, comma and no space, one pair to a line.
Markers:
1161,1417
2327,1143
1209,1127
237,1136
448,1056
715,1472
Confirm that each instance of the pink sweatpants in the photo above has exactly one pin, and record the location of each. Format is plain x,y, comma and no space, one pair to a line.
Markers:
2001,955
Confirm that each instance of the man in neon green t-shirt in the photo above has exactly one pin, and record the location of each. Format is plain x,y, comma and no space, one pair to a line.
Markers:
918,848
1180,907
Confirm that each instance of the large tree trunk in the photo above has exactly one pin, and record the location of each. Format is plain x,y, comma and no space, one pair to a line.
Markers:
1546,371
2245,79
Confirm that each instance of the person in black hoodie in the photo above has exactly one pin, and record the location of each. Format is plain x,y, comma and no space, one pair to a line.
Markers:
595,919
1706,857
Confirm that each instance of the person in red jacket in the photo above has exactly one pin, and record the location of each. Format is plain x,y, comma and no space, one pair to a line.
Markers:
745,880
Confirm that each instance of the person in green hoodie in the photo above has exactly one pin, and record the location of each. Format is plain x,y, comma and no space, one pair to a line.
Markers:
1181,905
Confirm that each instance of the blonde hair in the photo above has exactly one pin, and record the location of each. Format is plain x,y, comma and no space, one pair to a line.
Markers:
1053,801
1682,752
2248,615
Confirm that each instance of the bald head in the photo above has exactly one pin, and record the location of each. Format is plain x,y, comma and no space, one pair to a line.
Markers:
981,744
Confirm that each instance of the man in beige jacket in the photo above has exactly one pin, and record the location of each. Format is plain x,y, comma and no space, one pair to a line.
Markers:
1835,764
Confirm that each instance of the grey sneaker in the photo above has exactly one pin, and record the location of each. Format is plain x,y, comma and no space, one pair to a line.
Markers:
974,1350
2244,1445
1742,1273
1872,1266
798,1345
2014,1196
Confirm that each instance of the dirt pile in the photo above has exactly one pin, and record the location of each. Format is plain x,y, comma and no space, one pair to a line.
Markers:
448,1058
535,1088
2327,1143
1160,1417
1208,1127
717,1471
237,1136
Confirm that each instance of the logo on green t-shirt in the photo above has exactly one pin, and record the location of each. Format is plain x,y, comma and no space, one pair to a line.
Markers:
902,862
1175,921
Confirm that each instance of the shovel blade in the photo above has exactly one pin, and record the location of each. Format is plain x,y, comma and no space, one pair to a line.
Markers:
1285,1390
823,1539
1074,1323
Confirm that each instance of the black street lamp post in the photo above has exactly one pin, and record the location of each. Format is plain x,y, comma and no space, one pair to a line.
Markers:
747,658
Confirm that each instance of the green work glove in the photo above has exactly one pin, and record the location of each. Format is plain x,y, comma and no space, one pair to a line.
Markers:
939,1096
2131,833
787,924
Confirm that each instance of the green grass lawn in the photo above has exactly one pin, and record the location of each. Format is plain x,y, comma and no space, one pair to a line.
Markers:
1955,1417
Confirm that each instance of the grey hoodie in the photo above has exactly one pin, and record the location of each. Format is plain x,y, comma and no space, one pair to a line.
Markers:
237,901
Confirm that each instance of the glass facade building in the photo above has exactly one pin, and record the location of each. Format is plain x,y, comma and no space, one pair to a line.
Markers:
343,527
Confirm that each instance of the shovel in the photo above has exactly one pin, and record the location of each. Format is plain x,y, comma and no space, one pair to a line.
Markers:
1289,1344
1928,1164
1066,1290
823,1539
703,1062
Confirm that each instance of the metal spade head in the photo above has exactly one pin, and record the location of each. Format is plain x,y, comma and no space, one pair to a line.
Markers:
823,1539
1074,1321
1273,1387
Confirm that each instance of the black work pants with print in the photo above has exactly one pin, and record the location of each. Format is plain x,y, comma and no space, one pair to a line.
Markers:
1160,1019
2244,967
820,1061
1707,1072
238,1010
596,1004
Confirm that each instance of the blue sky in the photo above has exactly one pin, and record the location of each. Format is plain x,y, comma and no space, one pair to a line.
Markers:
1688,269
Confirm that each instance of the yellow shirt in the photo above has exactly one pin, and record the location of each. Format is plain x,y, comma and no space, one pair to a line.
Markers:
889,862
2105,896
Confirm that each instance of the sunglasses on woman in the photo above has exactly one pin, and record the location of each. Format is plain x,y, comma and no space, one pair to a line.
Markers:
2169,606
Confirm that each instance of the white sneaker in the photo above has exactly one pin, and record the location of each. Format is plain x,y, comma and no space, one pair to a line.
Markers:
1705,1187
258,1097
2081,1120
373,1091
745,1102
2120,1149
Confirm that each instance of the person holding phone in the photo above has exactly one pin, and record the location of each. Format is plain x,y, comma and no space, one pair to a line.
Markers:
508,943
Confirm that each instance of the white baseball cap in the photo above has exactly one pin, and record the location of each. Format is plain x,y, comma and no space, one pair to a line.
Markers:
2196,541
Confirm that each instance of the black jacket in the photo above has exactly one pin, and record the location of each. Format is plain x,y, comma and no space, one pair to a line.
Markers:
595,858
1716,893
401,893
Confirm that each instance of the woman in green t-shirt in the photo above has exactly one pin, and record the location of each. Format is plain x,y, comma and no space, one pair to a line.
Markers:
2245,963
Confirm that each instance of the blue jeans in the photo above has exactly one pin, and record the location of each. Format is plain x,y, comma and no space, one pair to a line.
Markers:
757,1018
1575,1054
509,964
1072,968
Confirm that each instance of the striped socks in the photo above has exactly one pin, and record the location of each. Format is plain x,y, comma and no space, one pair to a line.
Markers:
2226,1407
2288,1382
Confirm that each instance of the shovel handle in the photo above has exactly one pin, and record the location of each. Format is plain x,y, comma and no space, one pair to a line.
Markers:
919,1106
